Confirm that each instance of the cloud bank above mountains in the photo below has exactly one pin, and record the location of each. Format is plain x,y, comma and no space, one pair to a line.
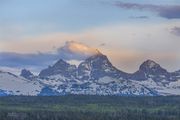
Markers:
70,51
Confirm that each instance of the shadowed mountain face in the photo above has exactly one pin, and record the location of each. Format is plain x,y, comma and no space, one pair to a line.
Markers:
152,68
26,74
92,68
98,66
61,67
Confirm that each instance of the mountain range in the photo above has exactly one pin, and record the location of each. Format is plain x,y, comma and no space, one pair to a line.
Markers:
93,76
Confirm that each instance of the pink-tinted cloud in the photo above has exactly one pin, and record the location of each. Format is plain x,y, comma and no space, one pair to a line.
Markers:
76,50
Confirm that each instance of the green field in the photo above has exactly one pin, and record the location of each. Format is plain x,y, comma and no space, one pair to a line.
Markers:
79,107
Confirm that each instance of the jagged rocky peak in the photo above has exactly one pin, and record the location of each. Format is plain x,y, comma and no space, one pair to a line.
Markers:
97,58
97,66
60,63
86,68
100,62
26,74
60,67
150,64
153,68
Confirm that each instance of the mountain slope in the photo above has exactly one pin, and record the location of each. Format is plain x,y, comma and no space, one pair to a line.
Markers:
11,84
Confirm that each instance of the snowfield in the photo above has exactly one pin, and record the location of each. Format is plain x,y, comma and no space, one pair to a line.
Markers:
16,85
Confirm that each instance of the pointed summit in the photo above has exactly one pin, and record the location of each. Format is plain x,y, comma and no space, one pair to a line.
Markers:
61,67
26,74
150,64
152,68
98,66
60,64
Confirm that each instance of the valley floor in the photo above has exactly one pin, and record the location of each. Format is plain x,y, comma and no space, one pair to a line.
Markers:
80,107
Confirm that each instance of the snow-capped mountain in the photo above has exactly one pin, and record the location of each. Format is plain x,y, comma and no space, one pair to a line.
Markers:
94,75
59,68
153,76
97,67
150,69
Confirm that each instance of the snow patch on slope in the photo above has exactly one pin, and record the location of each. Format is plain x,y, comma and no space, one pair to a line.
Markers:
18,85
74,62
163,87
106,79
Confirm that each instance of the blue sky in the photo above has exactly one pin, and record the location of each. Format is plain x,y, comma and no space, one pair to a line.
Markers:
134,28
65,15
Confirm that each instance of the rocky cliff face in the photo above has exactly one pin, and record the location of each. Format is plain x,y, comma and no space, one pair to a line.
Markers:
60,67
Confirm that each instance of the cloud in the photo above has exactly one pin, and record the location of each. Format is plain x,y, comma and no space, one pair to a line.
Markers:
76,50
139,17
70,51
45,42
176,31
34,61
127,45
165,11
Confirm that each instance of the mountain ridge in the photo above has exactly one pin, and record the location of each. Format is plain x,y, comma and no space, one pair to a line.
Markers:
96,75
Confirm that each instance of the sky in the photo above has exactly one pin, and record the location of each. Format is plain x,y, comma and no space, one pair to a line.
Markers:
35,34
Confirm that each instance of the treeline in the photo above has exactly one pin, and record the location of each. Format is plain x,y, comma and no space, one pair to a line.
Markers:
80,107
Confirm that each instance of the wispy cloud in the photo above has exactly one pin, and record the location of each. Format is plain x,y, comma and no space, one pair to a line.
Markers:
165,11
139,17
25,60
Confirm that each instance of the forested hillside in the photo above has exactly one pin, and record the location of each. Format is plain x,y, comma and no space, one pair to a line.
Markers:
79,107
